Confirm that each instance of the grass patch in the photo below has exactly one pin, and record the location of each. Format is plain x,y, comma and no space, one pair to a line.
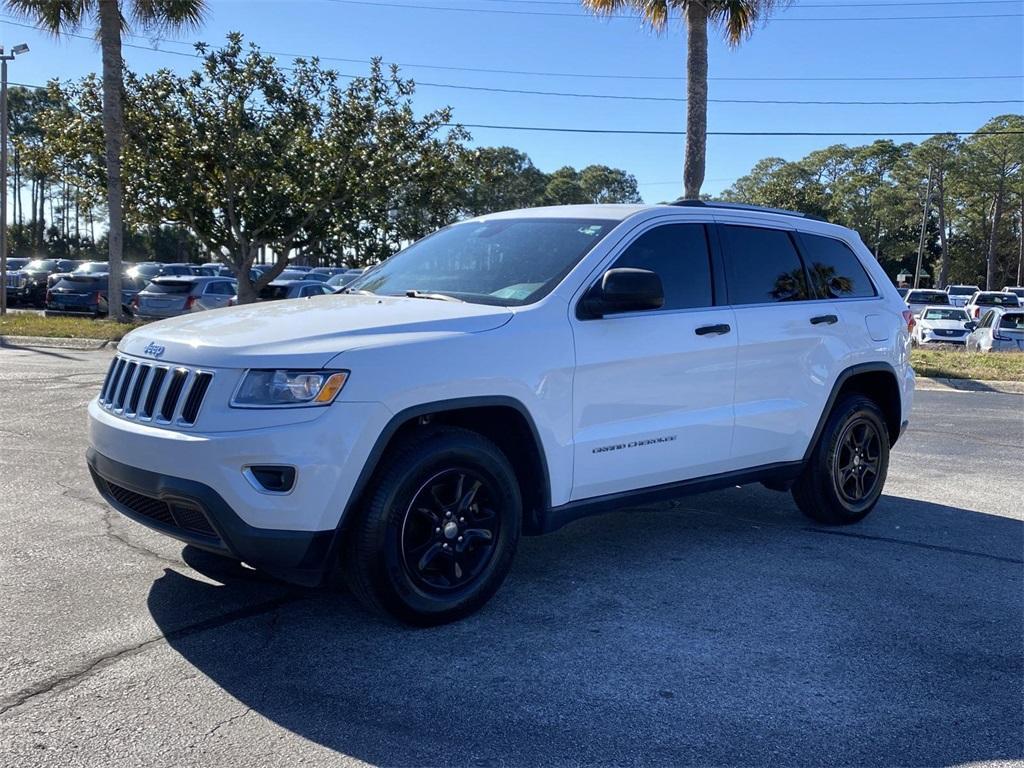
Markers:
33,324
960,364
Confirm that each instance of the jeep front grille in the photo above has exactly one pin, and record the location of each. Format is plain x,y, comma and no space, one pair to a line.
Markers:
164,394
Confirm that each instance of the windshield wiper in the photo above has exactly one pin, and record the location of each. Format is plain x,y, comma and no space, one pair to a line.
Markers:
414,294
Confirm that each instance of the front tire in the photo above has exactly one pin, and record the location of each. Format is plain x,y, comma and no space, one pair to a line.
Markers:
438,531
844,477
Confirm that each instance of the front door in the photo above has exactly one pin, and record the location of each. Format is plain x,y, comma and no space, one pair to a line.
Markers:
653,390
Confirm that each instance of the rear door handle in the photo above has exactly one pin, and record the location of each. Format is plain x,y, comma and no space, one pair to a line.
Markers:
719,329
827,319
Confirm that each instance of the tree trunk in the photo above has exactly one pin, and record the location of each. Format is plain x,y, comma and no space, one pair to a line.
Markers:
997,214
113,130
943,244
696,98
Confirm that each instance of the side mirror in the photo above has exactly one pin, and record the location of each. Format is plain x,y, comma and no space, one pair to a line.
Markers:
970,325
623,290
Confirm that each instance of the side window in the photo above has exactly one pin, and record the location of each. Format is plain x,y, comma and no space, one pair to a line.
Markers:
986,321
762,266
835,271
679,254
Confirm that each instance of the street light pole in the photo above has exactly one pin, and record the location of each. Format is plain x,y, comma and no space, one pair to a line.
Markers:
4,58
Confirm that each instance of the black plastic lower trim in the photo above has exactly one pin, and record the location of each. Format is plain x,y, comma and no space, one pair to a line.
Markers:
300,557
556,517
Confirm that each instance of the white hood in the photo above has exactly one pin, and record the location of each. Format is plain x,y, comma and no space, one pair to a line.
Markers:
304,333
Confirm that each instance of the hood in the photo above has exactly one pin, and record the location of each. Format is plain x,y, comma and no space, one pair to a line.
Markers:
946,324
304,333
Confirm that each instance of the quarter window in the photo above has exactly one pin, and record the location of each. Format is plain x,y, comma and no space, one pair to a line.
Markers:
678,254
835,271
762,266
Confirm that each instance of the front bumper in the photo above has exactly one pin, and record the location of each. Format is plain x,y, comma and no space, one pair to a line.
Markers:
198,515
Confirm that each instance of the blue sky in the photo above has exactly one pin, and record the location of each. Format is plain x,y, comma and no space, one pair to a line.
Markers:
788,46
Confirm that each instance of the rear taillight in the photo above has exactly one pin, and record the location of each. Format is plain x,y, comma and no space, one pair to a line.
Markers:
908,316
49,295
190,302
999,337
98,297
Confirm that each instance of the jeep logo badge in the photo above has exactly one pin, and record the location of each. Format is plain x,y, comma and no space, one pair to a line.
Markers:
154,350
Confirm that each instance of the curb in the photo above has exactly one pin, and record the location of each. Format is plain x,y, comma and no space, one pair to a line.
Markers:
926,384
28,342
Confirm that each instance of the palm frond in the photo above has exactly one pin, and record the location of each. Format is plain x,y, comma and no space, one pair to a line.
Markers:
654,12
53,16
739,18
167,15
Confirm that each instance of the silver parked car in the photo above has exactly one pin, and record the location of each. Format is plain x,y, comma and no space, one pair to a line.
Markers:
1000,330
290,289
170,296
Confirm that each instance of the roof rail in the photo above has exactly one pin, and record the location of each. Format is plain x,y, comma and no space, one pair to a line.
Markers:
744,207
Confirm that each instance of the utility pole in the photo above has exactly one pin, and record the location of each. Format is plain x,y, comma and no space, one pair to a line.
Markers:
924,228
4,58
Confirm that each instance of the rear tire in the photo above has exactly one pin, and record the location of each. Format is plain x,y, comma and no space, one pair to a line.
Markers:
844,477
438,529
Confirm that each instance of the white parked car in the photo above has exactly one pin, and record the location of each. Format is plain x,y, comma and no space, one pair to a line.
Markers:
982,301
949,325
959,295
1016,290
919,298
503,377
1000,330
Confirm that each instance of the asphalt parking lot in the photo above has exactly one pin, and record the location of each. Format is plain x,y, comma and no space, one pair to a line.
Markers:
723,629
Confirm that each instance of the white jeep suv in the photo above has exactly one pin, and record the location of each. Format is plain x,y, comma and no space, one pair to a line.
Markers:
504,376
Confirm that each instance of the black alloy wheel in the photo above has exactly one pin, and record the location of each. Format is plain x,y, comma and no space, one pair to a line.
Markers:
450,530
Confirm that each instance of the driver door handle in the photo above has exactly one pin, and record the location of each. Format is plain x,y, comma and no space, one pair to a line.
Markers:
718,329
827,319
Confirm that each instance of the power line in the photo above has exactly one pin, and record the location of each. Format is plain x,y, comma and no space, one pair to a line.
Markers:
587,75
680,99
507,12
643,132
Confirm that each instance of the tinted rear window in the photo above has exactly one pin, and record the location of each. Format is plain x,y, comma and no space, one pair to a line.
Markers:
1012,321
82,283
271,292
961,290
835,271
178,286
762,266
998,300
927,297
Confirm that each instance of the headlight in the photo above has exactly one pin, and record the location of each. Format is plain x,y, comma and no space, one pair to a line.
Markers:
269,389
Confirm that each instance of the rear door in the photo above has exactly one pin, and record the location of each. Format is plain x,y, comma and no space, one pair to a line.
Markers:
790,345
652,390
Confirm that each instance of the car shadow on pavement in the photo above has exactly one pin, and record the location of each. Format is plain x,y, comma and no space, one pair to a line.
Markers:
720,629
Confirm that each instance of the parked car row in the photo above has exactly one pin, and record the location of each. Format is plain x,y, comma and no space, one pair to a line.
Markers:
153,290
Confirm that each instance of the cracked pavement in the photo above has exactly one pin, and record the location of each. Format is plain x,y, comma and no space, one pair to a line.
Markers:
720,629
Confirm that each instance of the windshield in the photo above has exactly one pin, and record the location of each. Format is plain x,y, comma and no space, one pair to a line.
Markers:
92,266
945,314
41,265
962,290
509,262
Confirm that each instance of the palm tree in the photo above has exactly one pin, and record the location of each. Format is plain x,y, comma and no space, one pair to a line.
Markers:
68,16
737,18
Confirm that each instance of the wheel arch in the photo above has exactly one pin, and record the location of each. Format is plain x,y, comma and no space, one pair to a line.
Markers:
504,420
877,381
